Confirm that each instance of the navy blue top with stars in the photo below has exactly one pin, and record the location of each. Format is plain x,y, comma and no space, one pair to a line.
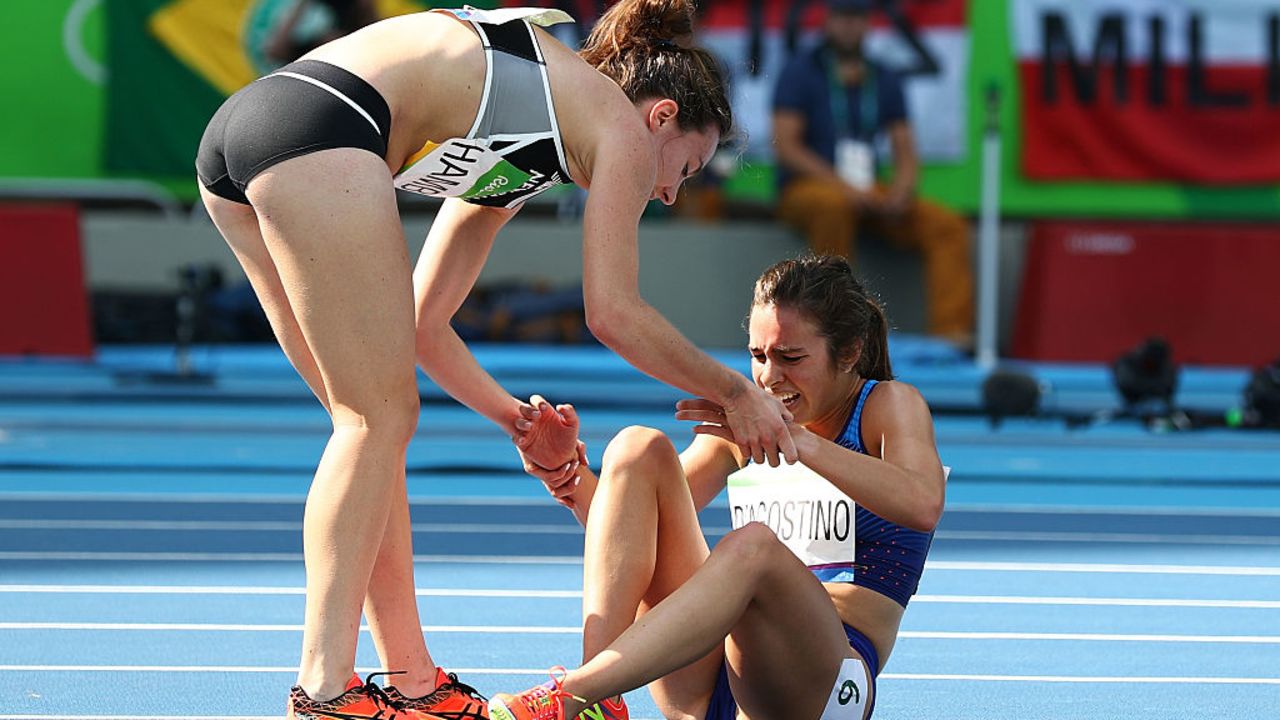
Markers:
889,557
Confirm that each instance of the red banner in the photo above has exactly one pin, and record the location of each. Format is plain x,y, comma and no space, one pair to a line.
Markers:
1093,290
1147,90
44,307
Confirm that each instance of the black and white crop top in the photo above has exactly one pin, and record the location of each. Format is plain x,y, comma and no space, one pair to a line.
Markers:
513,150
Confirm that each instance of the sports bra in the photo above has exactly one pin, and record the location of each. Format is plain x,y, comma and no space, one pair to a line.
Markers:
513,150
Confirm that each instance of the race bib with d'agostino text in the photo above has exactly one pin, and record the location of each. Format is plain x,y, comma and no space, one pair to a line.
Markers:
814,519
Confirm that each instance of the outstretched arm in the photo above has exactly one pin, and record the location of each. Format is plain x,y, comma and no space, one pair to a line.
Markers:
455,251
621,319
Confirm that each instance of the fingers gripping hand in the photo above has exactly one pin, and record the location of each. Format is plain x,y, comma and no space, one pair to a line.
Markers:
709,415
547,436
562,481
759,425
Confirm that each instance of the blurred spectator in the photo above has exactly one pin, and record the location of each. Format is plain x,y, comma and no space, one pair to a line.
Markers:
295,37
830,104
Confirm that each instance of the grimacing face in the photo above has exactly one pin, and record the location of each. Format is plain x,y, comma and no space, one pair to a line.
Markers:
792,362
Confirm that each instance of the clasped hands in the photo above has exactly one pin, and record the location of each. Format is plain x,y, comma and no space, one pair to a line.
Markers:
546,437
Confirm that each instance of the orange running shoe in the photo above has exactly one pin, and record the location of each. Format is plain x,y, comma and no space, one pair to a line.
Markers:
360,701
451,700
546,702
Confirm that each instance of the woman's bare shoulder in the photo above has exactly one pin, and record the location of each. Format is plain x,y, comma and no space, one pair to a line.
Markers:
894,398
597,121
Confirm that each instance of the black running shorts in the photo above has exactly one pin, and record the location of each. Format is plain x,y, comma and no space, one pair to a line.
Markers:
301,108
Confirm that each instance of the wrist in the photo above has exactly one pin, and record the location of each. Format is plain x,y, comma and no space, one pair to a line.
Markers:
733,389
806,442
508,414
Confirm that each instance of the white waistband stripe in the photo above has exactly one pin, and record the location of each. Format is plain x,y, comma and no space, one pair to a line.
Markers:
333,91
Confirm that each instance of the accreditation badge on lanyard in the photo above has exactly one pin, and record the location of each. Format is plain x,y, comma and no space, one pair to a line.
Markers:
856,163
855,160
814,519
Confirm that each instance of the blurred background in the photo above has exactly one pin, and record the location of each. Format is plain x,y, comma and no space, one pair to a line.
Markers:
1078,252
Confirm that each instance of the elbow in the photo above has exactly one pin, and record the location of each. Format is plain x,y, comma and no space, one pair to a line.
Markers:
603,321
928,512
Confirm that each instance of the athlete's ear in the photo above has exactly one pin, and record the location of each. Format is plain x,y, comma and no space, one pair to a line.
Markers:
663,112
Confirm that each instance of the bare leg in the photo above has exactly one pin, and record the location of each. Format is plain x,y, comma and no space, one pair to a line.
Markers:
786,641
390,604
642,537
339,254
643,541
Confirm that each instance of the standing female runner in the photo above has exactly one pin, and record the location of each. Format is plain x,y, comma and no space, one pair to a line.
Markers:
299,170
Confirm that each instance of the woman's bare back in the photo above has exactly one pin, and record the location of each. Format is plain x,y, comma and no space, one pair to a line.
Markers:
430,68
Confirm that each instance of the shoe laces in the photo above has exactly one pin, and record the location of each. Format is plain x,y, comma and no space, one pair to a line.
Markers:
457,685
376,692
541,701
442,691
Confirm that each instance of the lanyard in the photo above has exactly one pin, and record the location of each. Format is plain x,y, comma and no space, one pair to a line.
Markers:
868,100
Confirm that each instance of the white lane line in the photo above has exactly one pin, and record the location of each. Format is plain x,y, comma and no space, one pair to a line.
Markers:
1091,637
163,717
575,594
1147,510
244,627
77,556
252,499
97,557
239,669
575,630
572,529
1087,679
541,672
278,526
545,501
1102,568
1096,602
255,590
931,565
1096,537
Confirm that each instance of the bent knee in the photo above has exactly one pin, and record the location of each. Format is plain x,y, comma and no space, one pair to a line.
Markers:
641,456
640,446
752,545
393,418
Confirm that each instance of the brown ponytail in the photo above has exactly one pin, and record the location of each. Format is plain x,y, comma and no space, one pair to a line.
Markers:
643,46
825,289
874,361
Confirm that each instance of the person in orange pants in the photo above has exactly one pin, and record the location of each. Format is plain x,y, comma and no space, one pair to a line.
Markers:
830,105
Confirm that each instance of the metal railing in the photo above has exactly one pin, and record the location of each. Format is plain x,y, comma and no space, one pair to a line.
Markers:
91,189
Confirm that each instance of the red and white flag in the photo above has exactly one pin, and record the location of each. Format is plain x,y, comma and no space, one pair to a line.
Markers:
1150,90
